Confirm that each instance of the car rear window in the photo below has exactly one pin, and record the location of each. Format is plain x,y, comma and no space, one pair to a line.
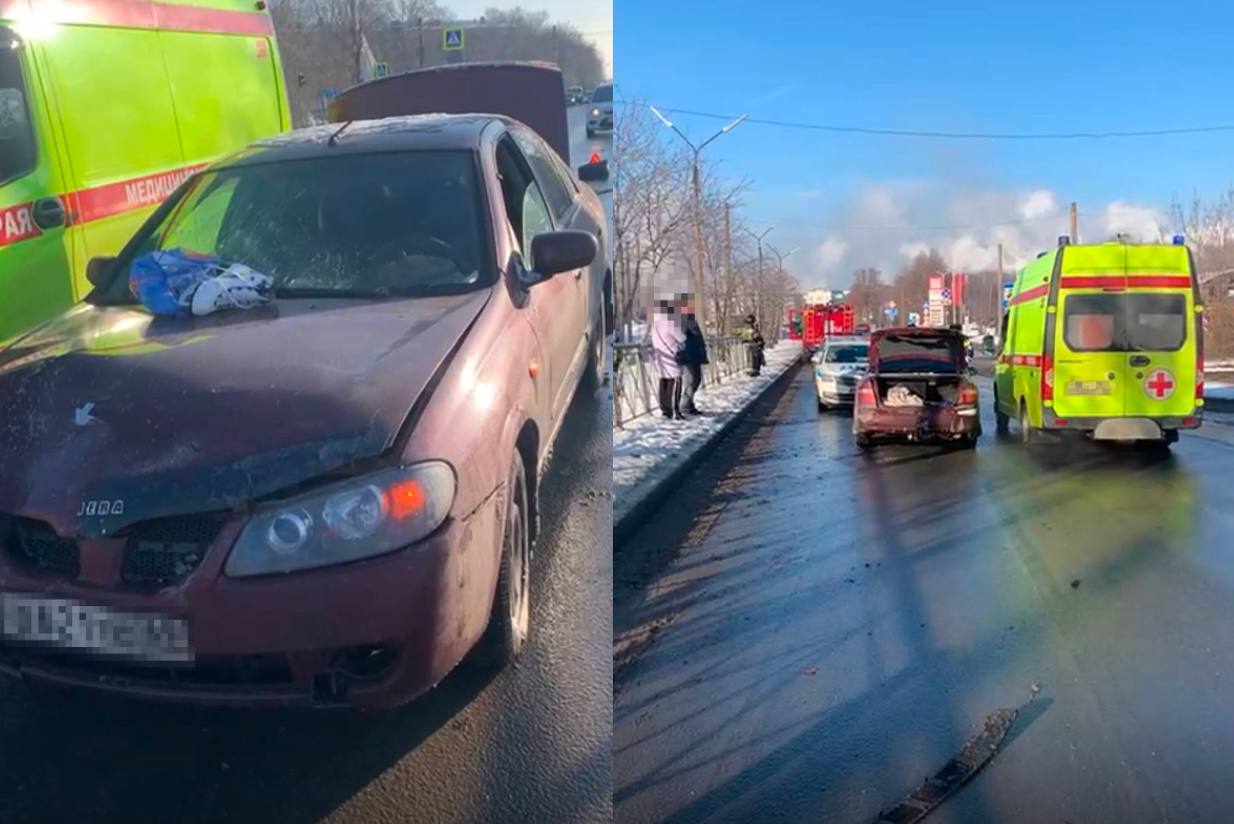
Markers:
17,153
857,353
940,354
603,94
399,224
1125,323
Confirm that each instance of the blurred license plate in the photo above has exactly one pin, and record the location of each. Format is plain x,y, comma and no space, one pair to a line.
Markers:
1088,388
69,624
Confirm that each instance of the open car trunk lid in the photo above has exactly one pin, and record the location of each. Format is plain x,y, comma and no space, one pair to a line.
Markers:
532,93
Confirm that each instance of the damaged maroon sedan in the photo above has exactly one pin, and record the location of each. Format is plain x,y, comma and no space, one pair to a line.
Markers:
918,388
329,498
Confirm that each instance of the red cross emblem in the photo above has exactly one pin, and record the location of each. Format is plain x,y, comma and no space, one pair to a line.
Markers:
1160,384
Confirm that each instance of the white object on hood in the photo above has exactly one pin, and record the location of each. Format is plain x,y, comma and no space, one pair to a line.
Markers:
236,287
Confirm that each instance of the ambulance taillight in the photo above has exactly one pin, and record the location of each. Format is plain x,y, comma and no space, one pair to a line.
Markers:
1047,378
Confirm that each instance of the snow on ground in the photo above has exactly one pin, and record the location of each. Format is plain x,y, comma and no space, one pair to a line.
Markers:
649,448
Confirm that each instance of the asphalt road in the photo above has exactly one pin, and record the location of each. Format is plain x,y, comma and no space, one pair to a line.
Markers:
807,632
532,743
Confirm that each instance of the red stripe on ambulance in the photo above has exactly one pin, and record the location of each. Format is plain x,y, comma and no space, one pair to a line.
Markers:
17,224
1117,283
1030,294
141,14
123,196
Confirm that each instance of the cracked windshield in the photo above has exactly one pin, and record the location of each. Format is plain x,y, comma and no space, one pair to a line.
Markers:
306,410
923,413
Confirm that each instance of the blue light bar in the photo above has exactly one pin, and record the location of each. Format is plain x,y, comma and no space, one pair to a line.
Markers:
1178,240
1063,240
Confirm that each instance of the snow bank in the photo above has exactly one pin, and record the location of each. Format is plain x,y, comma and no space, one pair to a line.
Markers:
649,449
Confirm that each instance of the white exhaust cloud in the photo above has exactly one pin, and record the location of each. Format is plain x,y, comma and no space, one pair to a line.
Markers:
886,224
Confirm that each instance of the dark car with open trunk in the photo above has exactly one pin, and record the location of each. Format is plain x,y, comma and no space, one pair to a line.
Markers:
918,387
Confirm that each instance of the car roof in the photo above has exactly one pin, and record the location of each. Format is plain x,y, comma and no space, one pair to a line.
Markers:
846,340
390,134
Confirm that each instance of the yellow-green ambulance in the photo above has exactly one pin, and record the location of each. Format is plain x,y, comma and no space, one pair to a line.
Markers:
105,107
1105,340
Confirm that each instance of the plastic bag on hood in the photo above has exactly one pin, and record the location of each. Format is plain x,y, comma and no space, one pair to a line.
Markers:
171,283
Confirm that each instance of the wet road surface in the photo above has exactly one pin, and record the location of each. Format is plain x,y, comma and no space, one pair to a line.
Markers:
807,632
532,743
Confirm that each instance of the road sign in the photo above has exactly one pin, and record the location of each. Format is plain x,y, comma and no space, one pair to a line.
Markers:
1007,287
326,96
452,39
383,70
891,313
914,318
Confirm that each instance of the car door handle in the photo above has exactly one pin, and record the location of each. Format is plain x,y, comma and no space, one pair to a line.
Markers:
48,213
1139,360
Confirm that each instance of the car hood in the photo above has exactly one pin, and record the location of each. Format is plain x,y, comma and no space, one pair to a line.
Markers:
180,415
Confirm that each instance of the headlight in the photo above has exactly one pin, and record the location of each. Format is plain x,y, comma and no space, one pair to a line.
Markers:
595,112
358,518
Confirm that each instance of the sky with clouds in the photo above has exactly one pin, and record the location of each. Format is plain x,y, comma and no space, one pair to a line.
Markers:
851,200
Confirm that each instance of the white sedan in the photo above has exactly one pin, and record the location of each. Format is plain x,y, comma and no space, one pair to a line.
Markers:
839,365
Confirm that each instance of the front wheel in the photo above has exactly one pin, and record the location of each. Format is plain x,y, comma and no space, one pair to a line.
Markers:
509,623
1002,423
595,374
822,407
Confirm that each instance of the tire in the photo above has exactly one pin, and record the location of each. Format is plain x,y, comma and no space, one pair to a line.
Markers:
822,407
591,133
1002,423
509,622
593,374
1028,435
864,442
970,442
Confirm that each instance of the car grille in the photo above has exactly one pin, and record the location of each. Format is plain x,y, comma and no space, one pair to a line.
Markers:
157,552
35,544
167,550
847,380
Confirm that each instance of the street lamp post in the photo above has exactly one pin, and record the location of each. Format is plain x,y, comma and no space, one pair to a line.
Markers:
759,288
699,303
780,271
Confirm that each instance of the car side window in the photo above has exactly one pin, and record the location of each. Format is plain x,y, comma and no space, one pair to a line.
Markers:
525,205
559,196
1002,335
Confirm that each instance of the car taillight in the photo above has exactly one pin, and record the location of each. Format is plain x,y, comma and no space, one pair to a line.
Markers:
1199,377
866,396
1047,378
967,396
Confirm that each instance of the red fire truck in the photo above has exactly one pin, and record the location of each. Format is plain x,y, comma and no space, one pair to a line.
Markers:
792,322
820,321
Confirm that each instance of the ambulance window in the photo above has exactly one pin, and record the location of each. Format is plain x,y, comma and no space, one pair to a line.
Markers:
17,148
1156,323
1090,322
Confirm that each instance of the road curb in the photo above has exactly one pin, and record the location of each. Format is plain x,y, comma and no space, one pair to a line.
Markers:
649,500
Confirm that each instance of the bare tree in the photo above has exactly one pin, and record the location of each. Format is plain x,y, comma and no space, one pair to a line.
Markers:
649,208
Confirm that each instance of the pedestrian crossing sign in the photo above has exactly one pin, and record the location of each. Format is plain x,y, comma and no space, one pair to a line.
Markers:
452,40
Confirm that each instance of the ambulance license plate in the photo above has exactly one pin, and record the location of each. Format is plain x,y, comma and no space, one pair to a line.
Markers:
1088,387
69,624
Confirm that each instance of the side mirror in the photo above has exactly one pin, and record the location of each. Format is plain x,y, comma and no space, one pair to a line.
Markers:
555,252
593,172
99,270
